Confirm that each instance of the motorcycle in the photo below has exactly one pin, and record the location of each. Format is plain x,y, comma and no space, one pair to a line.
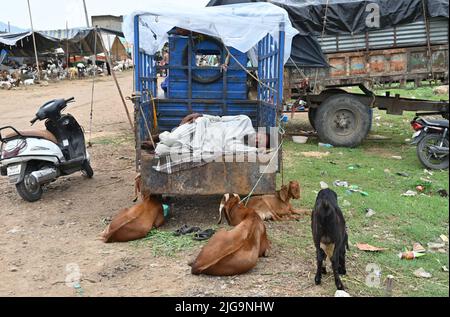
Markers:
432,141
33,159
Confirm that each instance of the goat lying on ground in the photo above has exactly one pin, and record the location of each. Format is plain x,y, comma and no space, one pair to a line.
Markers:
136,222
237,251
275,207
330,236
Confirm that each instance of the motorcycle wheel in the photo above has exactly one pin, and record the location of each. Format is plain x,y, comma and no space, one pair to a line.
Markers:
27,189
87,169
430,160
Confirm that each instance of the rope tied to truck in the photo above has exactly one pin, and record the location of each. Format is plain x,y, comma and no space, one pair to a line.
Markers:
282,132
248,72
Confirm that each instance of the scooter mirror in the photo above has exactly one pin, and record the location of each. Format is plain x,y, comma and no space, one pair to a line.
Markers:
34,121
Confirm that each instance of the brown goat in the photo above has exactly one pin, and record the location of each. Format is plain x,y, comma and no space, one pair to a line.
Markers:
237,251
136,222
275,207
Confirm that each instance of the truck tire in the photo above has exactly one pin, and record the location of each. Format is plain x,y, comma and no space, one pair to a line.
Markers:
312,112
312,115
343,120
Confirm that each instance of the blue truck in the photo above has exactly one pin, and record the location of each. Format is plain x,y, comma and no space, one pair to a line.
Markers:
198,85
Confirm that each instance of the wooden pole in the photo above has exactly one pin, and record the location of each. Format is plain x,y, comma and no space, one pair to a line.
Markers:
86,14
34,41
113,73
93,87
67,45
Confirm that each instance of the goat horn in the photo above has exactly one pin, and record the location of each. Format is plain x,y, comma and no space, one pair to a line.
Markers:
225,198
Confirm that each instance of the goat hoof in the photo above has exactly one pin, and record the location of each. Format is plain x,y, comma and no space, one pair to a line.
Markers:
342,271
340,286
318,280
324,270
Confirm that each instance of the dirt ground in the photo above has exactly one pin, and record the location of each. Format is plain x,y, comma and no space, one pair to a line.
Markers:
41,243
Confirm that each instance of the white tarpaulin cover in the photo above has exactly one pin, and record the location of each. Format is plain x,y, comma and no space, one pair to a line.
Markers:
240,26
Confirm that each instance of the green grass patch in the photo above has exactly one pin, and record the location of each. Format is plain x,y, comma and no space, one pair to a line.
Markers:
399,221
164,243
424,92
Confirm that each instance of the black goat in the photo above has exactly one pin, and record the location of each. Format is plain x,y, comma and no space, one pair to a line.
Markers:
330,236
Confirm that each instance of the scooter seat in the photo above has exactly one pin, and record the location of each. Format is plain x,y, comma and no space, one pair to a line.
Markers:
40,134
437,123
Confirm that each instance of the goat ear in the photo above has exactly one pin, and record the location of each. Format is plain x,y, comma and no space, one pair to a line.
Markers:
294,189
284,193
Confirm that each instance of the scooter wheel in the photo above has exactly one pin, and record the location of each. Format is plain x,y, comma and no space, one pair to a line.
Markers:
87,169
28,190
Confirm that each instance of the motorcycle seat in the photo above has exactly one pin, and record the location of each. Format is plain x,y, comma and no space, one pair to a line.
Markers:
40,134
437,123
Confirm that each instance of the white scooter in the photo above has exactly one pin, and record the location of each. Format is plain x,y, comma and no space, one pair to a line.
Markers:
32,159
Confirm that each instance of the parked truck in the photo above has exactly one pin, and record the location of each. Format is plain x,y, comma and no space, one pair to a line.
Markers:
365,44
206,77
408,53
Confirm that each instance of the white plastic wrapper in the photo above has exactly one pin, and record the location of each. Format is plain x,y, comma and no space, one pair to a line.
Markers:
240,26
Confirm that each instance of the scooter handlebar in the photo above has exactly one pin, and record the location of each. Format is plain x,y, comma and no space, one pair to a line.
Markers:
70,99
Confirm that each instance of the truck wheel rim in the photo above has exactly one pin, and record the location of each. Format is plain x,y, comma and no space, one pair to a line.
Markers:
344,122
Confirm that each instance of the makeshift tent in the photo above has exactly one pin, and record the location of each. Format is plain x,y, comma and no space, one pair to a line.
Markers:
80,41
21,44
115,47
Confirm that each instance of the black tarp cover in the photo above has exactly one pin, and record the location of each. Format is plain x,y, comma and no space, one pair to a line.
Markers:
306,50
344,17
349,16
